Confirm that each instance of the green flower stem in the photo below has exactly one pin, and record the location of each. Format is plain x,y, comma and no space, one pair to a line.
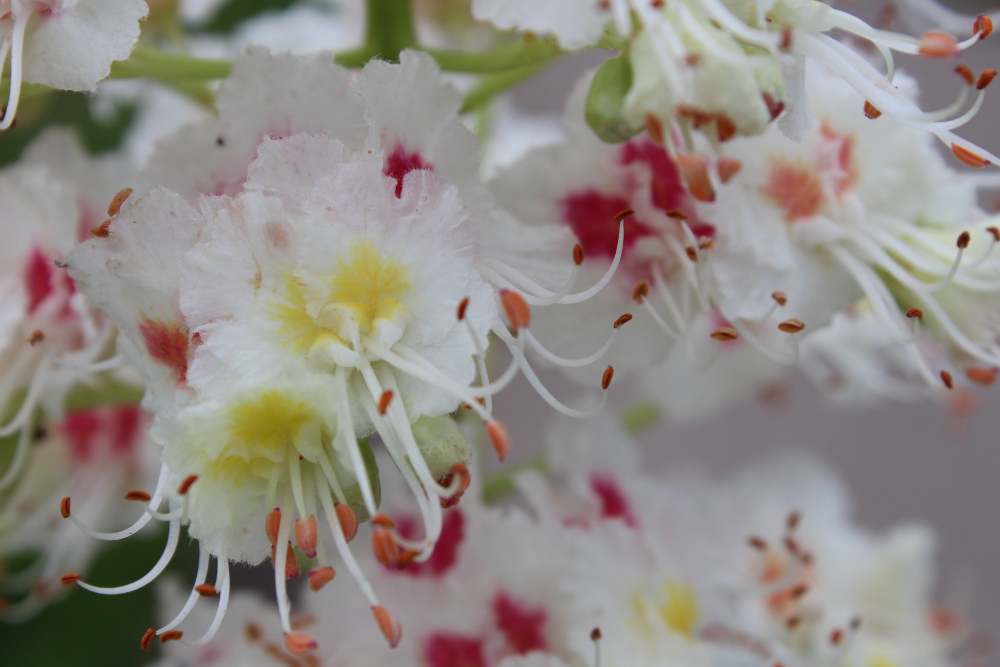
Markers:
147,62
492,85
389,29
527,50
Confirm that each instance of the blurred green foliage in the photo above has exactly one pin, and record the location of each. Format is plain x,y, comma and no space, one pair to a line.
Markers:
234,12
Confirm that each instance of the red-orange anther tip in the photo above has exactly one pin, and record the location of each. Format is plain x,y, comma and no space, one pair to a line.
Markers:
725,334
676,215
517,309
391,629
578,254
186,484
793,325
963,240
836,636
64,507
871,112
654,128
595,635
36,337
640,290
982,26
855,623
757,543
499,438
985,79
691,253
206,590
966,73
306,535
384,400
968,157
728,167
299,643
937,44
383,520
780,298
71,578
607,376
694,171
320,577
118,200
994,232
624,213
462,305
348,519
384,547
946,378
102,230
627,317
147,639
725,127
915,312
983,376
271,524
135,494
292,569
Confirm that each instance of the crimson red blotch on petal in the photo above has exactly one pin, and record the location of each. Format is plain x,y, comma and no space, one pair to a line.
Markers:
452,650
614,504
521,624
445,555
166,343
399,163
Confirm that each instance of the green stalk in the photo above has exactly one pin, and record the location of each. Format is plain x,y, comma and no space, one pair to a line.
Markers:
147,62
492,85
389,28
529,49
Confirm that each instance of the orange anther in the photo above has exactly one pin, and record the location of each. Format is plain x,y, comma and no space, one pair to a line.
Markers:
147,639
691,253
348,519
965,72
946,378
299,643
384,547
725,334
206,590
271,524
186,484
406,557
383,520
384,400
915,312
855,623
982,26
517,309
640,290
306,535
321,576
462,305
676,215
135,494
102,230
606,377
983,376
779,297
624,214
654,128
64,507
253,632
694,171
499,438
70,578
578,254
725,127
595,635
728,167
786,38
836,636
292,569
994,232
799,591
118,200
937,44
968,157
757,543
464,476
793,325
793,520
391,629
627,317
871,112
963,240
36,337
985,79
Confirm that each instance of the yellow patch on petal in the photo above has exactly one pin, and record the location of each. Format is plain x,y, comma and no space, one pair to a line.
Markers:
367,286
298,329
267,425
881,659
676,608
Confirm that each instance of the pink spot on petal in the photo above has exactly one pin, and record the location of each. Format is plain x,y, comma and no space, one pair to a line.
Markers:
614,504
80,429
795,188
453,650
445,555
522,625
127,426
166,343
401,162
38,278
591,216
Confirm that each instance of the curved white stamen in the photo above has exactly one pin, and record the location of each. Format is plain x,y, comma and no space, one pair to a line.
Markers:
16,56
883,303
662,323
785,359
199,579
547,396
564,361
295,477
222,582
351,442
280,561
331,477
23,414
484,373
143,519
608,275
914,348
20,454
168,552
326,500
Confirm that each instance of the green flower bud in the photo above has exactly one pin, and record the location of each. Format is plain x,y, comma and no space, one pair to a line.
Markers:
441,444
606,99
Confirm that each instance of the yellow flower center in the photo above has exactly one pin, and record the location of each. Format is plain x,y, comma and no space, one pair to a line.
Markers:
676,607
